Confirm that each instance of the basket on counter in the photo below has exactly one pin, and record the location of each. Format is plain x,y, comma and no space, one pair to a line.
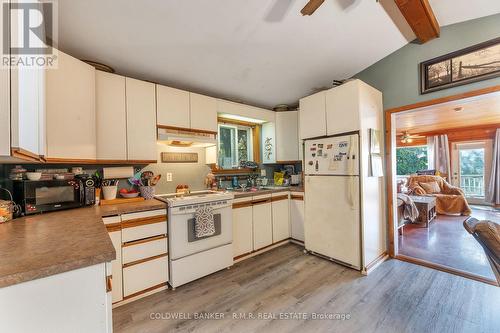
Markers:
147,192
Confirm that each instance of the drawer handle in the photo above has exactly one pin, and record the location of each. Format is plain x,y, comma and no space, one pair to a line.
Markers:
137,262
260,202
144,221
145,240
109,283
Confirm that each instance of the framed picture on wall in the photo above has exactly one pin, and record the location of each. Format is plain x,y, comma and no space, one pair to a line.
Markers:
476,63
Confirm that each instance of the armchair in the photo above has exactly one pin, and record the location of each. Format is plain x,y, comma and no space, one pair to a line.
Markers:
449,200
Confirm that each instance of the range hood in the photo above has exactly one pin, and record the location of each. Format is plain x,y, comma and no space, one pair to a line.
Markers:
179,137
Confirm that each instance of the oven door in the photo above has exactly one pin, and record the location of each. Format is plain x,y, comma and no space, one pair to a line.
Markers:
50,195
181,230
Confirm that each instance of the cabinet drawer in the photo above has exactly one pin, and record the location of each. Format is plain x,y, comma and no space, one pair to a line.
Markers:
138,278
146,214
133,233
143,249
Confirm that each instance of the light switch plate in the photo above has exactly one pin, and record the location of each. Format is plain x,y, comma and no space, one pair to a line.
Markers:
169,176
263,172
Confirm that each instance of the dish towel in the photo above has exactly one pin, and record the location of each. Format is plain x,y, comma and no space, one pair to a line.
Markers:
204,222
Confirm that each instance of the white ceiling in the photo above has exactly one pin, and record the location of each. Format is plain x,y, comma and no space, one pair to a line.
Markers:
262,52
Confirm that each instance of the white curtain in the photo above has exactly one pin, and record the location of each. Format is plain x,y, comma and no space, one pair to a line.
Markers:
439,154
493,195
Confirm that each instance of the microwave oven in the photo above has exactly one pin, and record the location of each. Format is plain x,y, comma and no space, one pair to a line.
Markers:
39,196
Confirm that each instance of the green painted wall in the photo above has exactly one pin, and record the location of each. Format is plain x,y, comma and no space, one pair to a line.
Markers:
397,75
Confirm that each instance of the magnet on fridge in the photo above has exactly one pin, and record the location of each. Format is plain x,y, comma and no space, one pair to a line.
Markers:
310,163
329,146
320,145
313,154
320,152
312,149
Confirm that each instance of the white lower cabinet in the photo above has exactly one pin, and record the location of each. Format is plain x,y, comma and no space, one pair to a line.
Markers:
242,230
297,216
142,276
143,249
262,223
281,217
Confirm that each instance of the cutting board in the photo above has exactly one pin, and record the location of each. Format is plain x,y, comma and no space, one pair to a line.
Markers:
121,201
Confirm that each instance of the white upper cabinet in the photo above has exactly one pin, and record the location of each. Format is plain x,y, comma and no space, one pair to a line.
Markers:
70,109
111,116
4,106
312,116
141,120
268,143
172,107
203,112
287,137
27,101
342,108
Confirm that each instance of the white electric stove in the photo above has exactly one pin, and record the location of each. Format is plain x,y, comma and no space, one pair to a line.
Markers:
191,258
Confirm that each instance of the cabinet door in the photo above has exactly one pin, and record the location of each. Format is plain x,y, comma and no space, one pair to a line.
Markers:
268,143
70,109
4,104
242,231
287,136
312,116
281,218
342,108
141,120
111,116
172,107
117,289
262,225
203,112
297,217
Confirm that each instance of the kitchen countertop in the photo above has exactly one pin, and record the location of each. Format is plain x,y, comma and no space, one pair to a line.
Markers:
240,194
38,246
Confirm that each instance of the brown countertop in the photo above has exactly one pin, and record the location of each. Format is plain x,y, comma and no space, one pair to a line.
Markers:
240,194
38,246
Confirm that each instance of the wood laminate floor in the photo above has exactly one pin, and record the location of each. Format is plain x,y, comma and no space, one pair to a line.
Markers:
396,297
447,243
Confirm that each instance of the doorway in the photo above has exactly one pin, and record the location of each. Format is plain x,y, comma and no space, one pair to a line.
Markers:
469,121
470,165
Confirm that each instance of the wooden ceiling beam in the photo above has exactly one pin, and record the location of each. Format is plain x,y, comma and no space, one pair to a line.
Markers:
311,7
420,17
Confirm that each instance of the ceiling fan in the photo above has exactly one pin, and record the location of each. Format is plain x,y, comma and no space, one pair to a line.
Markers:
406,137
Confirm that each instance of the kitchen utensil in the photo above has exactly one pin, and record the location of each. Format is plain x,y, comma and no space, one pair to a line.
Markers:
109,192
155,180
243,187
34,175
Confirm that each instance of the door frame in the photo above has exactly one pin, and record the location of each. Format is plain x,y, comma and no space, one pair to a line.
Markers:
390,161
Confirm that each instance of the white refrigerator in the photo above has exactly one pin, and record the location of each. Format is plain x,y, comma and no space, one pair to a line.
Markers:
332,191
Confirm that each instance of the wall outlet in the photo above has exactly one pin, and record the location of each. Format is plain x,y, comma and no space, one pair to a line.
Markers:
169,176
263,172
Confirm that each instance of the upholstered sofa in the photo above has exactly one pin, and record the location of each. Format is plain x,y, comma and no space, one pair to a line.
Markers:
449,199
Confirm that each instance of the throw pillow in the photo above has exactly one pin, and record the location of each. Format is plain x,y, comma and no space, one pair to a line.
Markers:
430,187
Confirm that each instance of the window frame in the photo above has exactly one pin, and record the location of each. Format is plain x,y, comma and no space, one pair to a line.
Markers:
235,160
409,147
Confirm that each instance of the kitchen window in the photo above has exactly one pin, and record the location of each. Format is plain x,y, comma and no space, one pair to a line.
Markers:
235,145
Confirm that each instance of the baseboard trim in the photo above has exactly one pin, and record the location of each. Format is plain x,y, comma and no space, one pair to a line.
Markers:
261,250
446,269
141,294
375,263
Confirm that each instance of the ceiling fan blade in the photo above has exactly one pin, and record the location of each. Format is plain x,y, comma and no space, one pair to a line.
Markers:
311,7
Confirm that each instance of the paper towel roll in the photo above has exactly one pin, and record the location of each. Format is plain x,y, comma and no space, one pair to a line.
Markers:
118,172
